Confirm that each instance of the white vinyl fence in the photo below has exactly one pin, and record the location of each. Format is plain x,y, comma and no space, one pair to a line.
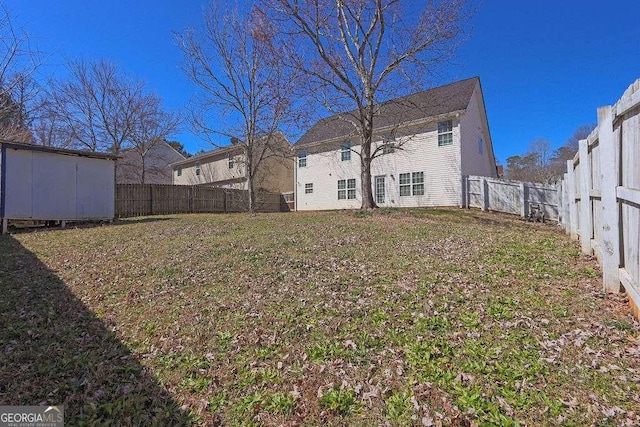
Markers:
600,194
512,197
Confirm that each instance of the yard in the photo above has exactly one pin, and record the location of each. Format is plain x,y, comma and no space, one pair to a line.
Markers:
413,317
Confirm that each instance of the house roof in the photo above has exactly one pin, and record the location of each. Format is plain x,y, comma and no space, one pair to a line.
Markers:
429,103
213,153
229,149
42,148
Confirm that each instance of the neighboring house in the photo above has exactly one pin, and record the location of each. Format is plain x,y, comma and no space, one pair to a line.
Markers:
429,141
152,166
225,167
46,184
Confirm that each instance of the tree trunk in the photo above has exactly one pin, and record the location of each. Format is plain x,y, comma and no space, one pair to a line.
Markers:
365,170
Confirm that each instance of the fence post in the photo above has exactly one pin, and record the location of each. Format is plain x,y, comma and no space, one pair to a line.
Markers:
465,191
523,200
609,180
484,193
586,226
559,200
573,208
566,224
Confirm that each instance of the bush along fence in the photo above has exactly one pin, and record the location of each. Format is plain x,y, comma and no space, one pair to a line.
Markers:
600,201
157,199
514,197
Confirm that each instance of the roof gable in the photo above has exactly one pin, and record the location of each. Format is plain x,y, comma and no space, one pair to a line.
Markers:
429,103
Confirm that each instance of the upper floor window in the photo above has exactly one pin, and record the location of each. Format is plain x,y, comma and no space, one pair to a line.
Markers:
389,147
345,151
179,172
445,133
302,158
308,188
198,168
231,162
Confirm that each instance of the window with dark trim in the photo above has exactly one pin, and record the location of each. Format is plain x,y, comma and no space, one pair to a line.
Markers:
308,188
197,169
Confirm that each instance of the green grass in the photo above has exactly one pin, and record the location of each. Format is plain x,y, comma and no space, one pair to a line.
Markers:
332,318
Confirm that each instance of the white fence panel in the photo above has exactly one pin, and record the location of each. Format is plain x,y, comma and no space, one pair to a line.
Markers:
604,209
512,197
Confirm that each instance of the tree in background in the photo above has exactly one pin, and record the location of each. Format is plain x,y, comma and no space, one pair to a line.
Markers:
244,93
18,90
151,126
568,150
354,52
97,104
179,147
542,164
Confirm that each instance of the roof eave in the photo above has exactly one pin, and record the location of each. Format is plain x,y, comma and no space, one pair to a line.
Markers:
416,122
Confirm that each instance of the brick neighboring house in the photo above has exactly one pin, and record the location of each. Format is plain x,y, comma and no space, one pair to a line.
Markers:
152,168
225,167
429,141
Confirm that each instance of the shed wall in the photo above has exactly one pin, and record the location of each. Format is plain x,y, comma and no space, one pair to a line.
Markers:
53,186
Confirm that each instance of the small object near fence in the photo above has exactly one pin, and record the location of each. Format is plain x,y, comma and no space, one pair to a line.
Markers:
536,213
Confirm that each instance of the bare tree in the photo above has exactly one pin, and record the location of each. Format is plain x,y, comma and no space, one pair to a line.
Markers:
151,126
98,105
244,94
355,52
18,90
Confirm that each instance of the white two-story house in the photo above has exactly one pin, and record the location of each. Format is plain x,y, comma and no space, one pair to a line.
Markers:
427,143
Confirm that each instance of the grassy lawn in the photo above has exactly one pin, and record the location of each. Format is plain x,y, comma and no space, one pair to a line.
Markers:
423,317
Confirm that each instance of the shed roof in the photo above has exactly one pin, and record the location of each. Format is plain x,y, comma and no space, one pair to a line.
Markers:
64,151
429,103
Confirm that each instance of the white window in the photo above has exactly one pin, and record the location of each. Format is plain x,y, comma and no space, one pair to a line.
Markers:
308,188
345,151
417,182
198,168
389,147
412,184
346,189
389,144
445,133
480,145
179,172
231,162
302,158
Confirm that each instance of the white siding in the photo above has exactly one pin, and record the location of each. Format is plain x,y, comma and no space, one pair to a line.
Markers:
474,126
420,153
212,169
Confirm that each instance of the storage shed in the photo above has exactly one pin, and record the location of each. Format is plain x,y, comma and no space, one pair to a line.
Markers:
45,184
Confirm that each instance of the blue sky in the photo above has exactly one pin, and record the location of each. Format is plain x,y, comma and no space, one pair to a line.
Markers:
545,66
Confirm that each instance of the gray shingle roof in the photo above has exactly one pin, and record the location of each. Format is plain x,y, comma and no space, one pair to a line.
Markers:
428,103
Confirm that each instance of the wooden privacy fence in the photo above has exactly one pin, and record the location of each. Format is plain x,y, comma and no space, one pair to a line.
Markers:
157,199
512,197
600,201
